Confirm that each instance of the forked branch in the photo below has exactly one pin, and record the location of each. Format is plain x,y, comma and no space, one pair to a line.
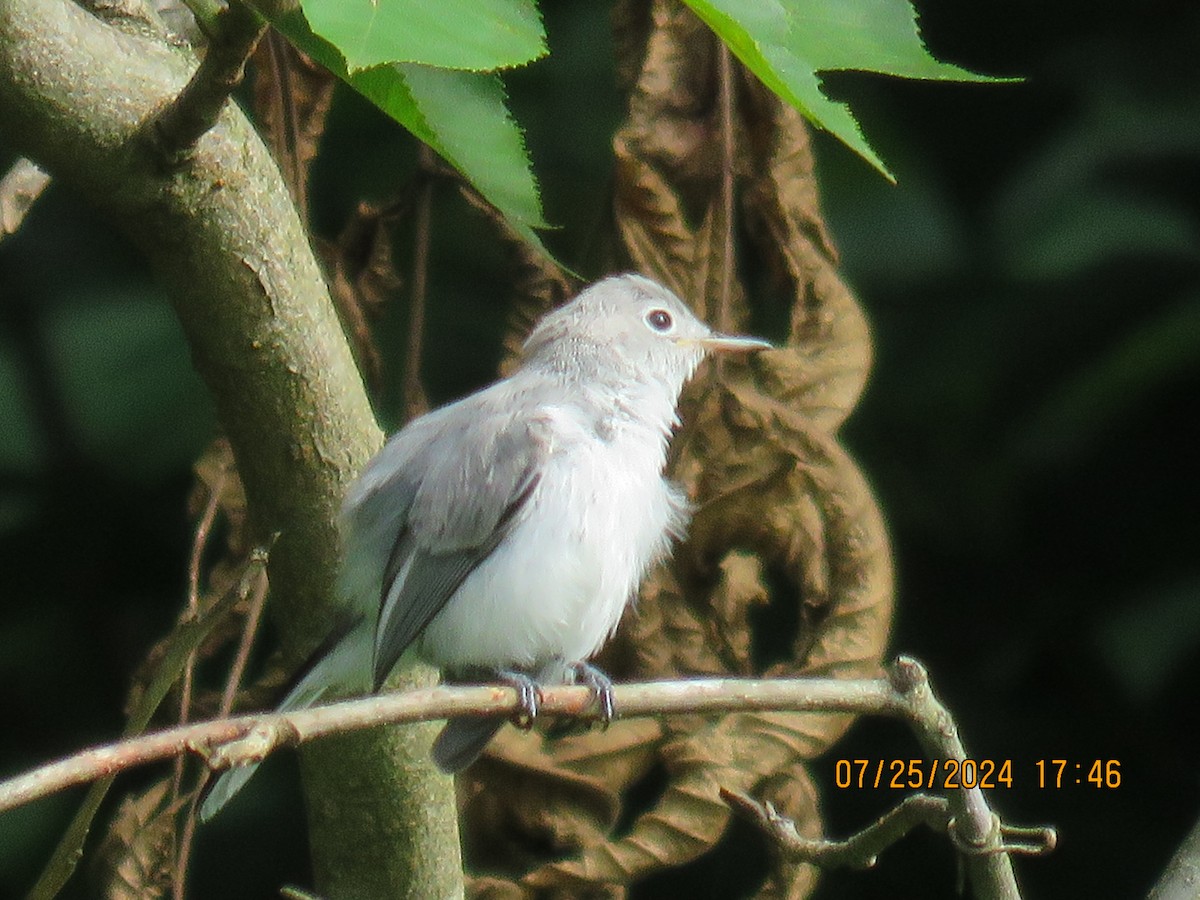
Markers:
861,850
236,32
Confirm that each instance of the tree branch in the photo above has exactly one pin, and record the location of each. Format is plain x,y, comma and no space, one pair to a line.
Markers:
860,851
248,738
975,822
1182,874
198,106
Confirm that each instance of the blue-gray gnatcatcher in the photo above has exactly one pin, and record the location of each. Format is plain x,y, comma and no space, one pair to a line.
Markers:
503,535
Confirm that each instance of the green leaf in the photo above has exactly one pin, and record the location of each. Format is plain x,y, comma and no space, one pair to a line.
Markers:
461,115
475,131
787,43
479,35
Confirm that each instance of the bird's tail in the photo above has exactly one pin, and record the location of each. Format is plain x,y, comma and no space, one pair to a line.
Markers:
334,669
462,740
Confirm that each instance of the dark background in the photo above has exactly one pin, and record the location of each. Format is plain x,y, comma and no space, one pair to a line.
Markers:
1034,286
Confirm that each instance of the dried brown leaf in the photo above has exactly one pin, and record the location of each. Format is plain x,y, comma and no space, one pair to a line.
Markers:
19,189
292,96
361,260
716,292
490,888
539,287
739,588
613,757
665,148
630,30
362,278
561,810
806,509
824,375
672,121
688,820
216,471
136,857
650,219
560,795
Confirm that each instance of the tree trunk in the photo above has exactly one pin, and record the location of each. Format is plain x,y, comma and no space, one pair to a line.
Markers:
76,94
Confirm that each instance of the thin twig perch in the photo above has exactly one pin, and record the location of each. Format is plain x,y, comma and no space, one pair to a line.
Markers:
267,731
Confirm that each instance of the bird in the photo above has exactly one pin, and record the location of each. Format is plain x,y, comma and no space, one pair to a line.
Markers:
501,537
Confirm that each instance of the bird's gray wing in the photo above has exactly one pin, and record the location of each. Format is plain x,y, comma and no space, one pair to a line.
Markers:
419,581
476,475
334,667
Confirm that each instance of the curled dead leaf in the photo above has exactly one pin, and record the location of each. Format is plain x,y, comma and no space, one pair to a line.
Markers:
19,190
292,96
136,858
362,278
830,343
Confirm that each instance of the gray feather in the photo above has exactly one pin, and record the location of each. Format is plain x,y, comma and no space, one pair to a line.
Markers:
418,583
462,740
340,670
473,483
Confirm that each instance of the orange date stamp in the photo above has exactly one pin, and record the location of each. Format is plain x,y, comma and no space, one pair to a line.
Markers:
989,774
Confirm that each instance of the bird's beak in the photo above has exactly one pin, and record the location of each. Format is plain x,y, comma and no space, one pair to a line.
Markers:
728,343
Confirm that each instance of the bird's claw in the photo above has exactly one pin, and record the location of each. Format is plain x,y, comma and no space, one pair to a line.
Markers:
602,690
529,697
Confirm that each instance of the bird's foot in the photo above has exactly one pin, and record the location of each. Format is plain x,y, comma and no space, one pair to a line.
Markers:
602,690
529,697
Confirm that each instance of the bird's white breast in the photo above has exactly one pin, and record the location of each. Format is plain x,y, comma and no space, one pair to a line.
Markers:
556,586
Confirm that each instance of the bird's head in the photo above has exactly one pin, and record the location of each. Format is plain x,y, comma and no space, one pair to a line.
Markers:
627,329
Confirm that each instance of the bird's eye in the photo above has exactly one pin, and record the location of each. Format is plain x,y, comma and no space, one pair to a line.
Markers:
659,320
